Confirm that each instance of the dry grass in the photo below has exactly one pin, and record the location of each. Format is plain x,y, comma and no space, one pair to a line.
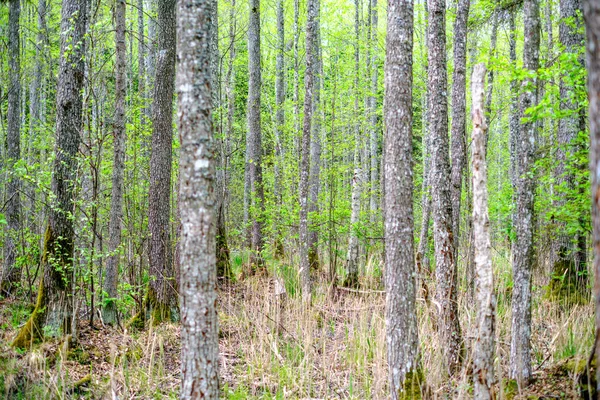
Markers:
274,347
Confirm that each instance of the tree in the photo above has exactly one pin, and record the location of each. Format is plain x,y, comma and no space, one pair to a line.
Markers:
483,360
311,28
352,257
373,120
11,273
314,180
162,297
109,312
253,138
446,274
400,312
280,95
591,12
459,113
195,82
570,253
520,346
52,314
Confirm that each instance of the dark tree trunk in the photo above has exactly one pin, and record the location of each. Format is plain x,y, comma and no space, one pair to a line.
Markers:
141,61
109,313
400,315
54,308
254,139
373,120
459,115
490,82
11,274
195,83
280,123
520,349
446,275
162,294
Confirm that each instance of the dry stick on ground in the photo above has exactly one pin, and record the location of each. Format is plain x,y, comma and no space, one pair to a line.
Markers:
483,360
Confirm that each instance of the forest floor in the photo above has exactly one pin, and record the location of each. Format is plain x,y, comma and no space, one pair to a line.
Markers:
274,348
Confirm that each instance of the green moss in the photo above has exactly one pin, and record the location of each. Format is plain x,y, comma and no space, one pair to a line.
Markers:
511,388
566,286
31,332
414,385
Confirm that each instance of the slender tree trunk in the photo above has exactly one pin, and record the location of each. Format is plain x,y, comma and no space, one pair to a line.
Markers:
162,295
567,251
151,57
109,312
254,140
230,91
195,84
280,123
483,360
53,310
297,77
513,119
459,114
11,274
400,315
520,349
374,125
141,61
446,296
314,181
490,88
353,249
309,82
591,13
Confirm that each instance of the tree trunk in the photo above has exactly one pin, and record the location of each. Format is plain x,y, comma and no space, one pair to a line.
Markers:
483,360
591,13
400,315
195,83
352,257
572,274
11,275
279,124
459,112
314,181
162,294
446,275
513,119
374,125
311,64
53,311
254,162
141,62
151,58
297,77
520,349
109,312
490,88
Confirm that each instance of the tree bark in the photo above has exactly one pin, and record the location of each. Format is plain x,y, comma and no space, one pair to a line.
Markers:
353,249
490,88
314,180
400,314
567,253
483,360
591,13
520,349
162,295
109,311
311,63
279,123
459,111
54,308
254,140
11,274
374,125
195,83
141,62
513,119
446,275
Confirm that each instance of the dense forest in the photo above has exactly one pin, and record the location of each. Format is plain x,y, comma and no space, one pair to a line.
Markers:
297,199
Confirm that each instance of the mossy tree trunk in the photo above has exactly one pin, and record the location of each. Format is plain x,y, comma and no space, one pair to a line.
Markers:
53,311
